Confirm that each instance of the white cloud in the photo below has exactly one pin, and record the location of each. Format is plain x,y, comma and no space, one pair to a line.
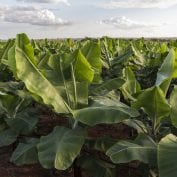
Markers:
125,23
114,4
30,15
47,1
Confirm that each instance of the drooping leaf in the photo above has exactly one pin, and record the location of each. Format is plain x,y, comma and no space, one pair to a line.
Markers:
167,155
136,124
7,137
25,153
98,115
60,148
143,149
99,101
107,86
34,79
24,122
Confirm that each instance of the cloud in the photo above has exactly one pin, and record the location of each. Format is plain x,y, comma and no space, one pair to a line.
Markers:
125,23
47,1
30,15
115,4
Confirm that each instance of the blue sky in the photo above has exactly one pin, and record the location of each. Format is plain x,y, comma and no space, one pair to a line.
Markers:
93,18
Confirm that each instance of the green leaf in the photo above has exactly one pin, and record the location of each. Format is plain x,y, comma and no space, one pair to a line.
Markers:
92,52
60,148
107,86
165,85
11,62
24,44
168,68
102,143
55,68
98,115
136,124
82,68
167,155
9,104
143,149
7,137
122,58
96,167
164,48
34,79
131,85
11,87
4,53
24,122
154,104
43,60
25,153
60,73
81,93
173,103
139,57
167,71
99,101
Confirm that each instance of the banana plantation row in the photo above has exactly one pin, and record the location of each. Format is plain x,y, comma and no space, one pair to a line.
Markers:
91,82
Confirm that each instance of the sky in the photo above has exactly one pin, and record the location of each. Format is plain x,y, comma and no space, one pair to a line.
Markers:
91,18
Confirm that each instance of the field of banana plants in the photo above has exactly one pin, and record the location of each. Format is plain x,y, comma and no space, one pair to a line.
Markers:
88,108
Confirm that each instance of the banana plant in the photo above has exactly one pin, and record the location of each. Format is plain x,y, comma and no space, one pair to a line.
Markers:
90,82
61,82
56,82
18,118
154,146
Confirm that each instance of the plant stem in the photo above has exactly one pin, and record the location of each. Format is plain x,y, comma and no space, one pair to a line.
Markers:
75,124
152,174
